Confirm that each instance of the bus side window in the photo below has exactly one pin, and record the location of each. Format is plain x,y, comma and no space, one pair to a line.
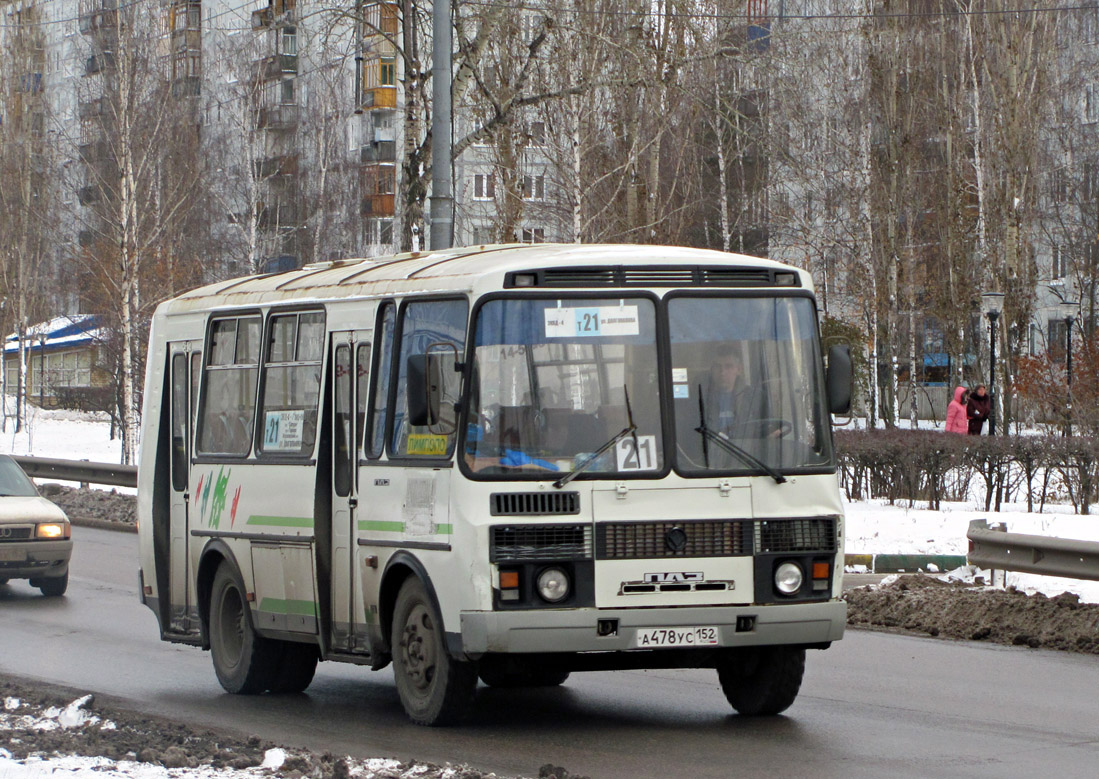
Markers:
379,403
362,388
426,324
229,387
292,383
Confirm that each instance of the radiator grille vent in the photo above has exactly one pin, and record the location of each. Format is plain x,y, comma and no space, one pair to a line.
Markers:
796,535
643,540
545,542
21,533
651,276
527,504
736,277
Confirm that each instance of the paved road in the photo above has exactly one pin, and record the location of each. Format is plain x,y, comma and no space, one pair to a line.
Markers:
874,705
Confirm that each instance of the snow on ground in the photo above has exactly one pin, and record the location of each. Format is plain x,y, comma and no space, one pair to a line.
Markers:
75,730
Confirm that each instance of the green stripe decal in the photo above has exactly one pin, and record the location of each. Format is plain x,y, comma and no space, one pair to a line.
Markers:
301,608
444,530
384,526
257,519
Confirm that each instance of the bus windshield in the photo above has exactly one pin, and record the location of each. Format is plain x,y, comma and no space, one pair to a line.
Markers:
746,384
552,379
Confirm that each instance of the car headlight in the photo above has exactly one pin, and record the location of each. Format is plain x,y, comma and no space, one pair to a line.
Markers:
553,585
788,578
52,530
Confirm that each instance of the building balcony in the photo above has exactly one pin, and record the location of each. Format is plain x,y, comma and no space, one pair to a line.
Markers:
279,117
94,151
91,109
278,217
379,151
91,23
97,63
281,165
378,205
276,66
188,86
379,97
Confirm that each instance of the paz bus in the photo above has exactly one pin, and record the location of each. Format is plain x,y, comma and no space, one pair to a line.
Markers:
505,463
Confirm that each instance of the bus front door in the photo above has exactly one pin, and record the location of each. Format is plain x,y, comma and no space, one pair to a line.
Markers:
350,372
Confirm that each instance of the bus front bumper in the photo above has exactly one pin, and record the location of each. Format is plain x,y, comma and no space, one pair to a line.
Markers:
579,630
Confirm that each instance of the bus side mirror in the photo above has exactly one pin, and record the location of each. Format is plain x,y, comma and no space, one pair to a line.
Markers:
837,379
424,388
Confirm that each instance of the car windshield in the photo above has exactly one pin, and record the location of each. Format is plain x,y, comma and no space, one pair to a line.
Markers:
552,379
13,482
746,381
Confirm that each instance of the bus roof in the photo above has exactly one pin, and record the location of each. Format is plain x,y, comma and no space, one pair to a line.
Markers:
454,269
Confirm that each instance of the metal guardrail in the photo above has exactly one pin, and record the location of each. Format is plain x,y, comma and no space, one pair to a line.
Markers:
78,470
1026,553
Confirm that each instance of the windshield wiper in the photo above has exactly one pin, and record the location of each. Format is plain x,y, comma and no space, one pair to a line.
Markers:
721,440
629,429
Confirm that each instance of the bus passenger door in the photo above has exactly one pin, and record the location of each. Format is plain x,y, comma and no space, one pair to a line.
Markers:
182,608
350,371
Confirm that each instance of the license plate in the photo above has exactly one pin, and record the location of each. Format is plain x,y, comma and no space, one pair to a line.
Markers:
12,555
666,637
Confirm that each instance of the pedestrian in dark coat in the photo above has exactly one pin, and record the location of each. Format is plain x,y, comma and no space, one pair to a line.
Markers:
978,409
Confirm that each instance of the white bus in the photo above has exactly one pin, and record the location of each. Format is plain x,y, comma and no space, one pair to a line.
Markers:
504,462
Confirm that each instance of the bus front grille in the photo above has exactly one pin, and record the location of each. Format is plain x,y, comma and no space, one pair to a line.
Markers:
527,504
815,534
511,543
701,538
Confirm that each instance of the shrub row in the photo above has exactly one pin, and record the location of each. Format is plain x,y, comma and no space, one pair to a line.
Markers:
924,465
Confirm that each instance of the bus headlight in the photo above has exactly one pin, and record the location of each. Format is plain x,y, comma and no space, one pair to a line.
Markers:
553,585
788,578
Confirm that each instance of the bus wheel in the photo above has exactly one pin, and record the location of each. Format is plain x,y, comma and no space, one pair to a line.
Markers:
243,661
435,689
761,680
297,665
494,677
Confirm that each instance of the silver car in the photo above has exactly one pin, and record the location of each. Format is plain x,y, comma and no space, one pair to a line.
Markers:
35,536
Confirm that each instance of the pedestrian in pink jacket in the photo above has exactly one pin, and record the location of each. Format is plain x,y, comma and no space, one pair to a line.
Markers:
956,421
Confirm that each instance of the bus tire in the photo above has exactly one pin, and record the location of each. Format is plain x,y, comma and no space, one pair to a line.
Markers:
494,677
54,586
244,661
434,688
297,665
762,680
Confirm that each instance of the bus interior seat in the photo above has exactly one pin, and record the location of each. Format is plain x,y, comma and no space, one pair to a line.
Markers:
516,428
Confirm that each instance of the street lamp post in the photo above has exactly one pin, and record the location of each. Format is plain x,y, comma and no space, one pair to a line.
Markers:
1068,312
993,307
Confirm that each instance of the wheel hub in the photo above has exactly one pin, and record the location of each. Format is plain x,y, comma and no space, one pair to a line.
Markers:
418,648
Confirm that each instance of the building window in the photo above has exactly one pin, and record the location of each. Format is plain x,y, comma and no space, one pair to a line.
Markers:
1058,186
537,134
534,235
289,44
1091,104
534,187
1059,262
387,72
484,186
1056,338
